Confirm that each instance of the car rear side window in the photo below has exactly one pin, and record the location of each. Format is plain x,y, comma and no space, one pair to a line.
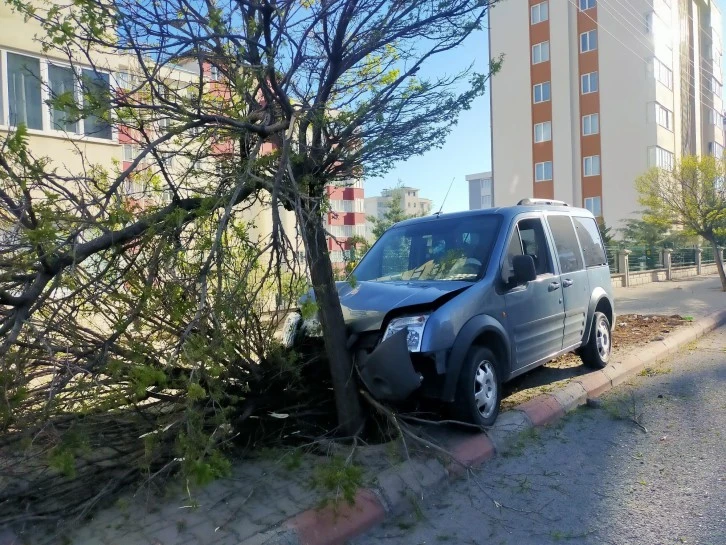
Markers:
568,249
590,241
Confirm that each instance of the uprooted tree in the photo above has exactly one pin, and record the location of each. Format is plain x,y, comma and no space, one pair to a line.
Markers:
692,196
141,290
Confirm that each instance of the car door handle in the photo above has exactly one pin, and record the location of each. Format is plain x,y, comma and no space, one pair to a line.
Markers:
554,286
566,283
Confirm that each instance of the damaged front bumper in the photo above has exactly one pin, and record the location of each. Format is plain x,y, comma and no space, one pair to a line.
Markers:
388,371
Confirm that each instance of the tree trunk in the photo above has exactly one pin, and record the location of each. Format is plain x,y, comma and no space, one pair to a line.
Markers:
719,263
350,414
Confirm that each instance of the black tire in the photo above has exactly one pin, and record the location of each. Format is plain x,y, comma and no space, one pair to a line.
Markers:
596,353
481,370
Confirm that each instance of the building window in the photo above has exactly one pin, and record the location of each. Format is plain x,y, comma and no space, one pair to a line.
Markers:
588,41
715,117
590,124
588,83
96,96
594,205
543,171
124,80
214,73
24,98
543,132
541,92
129,154
662,73
62,88
540,52
591,165
660,158
663,116
539,12
716,87
715,149
586,4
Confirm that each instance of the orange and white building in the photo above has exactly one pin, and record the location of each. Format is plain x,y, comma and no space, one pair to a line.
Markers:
592,93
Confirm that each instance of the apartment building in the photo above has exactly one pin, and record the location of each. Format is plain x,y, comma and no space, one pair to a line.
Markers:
481,190
592,93
411,203
28,78
345,219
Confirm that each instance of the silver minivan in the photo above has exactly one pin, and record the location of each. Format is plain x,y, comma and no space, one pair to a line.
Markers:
450,306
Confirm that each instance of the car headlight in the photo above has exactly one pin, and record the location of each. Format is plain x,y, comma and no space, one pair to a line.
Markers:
415,326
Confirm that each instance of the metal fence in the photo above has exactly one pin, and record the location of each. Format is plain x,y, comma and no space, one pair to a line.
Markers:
708,256
645,258
612,255
683,257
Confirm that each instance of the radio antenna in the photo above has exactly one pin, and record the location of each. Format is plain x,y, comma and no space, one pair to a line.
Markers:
446,196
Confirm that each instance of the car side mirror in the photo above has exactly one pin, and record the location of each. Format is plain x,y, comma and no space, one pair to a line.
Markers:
524,270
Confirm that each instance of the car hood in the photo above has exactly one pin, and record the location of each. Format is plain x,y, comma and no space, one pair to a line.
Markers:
366,304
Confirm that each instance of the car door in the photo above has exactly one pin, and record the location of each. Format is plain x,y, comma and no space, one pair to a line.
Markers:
573,278
535,310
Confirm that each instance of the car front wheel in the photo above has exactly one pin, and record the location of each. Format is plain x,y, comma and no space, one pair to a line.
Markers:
478,393
596,353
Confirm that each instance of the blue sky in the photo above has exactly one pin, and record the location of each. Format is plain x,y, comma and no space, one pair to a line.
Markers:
468,146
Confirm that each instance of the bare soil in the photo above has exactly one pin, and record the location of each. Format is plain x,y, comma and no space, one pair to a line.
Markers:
631,332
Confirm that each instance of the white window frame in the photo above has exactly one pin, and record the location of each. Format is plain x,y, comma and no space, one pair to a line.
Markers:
660,158
78,95
591,206
663,116
712,150
588,120
540,47
591,165
543,165
127,153
716,87
47,126
545,132
536,15
541,87
662,72
587,4
589,78
588,35
715,117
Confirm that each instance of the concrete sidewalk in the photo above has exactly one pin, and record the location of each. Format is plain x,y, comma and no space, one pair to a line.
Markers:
696,296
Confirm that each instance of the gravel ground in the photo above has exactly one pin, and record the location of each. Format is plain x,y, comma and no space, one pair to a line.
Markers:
645,466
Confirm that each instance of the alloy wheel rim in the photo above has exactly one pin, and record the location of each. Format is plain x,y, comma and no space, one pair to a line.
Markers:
603,339
485,388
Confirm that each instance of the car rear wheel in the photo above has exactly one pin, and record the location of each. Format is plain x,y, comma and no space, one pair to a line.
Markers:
596,353
478,392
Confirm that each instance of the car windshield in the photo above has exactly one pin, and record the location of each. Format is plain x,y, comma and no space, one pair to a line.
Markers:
442,249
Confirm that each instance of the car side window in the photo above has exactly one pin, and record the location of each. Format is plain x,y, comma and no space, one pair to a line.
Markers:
568,249
534,243
528,238
591,242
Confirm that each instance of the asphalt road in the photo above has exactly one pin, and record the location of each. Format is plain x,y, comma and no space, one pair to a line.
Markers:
597,477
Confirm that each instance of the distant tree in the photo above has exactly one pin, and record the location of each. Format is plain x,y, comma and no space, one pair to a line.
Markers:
692,195
638,232
605,232
394,213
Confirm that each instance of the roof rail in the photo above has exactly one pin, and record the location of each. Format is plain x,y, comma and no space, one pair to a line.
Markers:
549,202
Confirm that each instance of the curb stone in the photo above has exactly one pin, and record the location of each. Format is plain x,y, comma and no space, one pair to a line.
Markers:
396,487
